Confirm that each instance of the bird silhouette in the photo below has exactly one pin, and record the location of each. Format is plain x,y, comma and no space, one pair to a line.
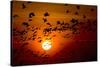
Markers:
45,19
30,19
75,21
25,24
58,22
39,37
15,16
23,6
76,13
33,38
34,32
29,2
78,7
84,16
54,29
67,11
53,35
46,14
31,15
62,23
40,41
49,24
67,36
22,32
65,4
92,9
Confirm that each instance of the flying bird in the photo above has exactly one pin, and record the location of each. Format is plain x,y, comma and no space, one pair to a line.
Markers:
67,11
92,9
78,7
35,32
84,16
31,15
49,24
30,19
65,4
46,14
40,41
44,19
74,20
76,13
62,23
39,37
25,24
15,16
58,22
29,2
23,6
53,35
54,29
74,23
33,38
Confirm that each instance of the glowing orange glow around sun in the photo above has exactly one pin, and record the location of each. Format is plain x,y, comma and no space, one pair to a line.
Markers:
46,45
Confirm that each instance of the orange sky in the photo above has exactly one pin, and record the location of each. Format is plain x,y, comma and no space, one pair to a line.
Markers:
57,12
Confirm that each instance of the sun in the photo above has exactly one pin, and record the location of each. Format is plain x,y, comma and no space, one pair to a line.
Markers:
46,45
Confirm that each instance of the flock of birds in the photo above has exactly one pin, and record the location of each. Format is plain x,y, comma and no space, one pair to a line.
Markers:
61,26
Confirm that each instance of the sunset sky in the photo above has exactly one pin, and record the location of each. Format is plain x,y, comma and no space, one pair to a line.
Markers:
71,29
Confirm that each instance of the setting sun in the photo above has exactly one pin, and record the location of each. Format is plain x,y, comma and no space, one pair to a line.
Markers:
46,45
